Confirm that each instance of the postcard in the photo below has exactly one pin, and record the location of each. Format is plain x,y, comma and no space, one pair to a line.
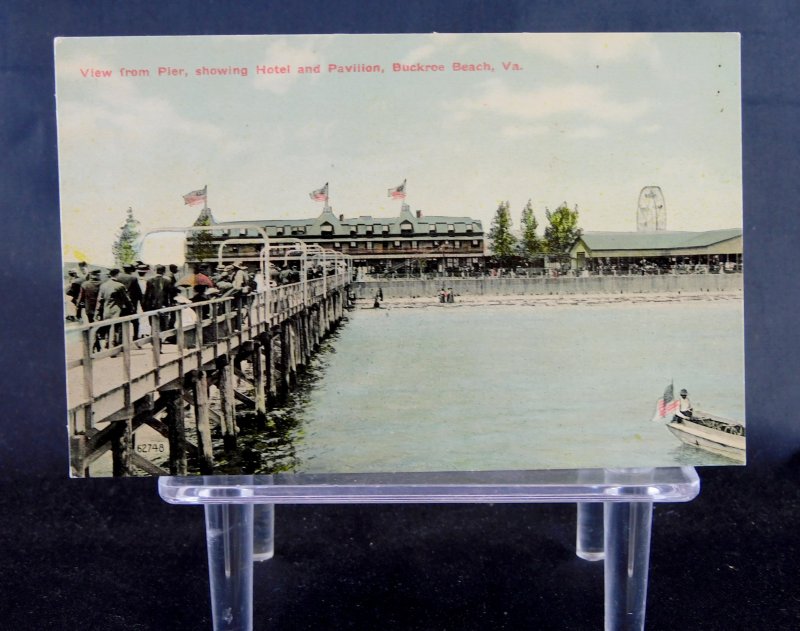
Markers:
401,253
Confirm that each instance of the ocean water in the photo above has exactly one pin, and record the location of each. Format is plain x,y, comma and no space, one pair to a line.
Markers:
458,387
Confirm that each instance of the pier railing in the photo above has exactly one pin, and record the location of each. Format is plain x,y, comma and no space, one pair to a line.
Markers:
109,370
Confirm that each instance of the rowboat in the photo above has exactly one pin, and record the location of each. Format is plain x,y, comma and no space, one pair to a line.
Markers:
712,433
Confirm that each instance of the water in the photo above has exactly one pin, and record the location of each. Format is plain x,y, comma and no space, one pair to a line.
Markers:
454,387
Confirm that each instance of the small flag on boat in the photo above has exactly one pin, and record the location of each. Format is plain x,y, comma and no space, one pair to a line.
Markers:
195,197
667,404
320,195
398,192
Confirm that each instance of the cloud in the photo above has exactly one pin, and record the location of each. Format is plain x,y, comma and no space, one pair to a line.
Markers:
588,101
650,129
523,131
442,44
588,132
569,48
294,51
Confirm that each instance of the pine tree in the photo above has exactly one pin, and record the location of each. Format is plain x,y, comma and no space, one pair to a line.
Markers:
563,230
530,243
503,241
200,244
124,248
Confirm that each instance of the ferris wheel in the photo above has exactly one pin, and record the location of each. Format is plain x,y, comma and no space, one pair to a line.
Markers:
652,213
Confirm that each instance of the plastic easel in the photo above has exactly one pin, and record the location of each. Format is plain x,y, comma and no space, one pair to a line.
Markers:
615,508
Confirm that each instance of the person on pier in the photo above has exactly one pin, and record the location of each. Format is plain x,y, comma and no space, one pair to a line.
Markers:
158,295
73,290
113,302
88,295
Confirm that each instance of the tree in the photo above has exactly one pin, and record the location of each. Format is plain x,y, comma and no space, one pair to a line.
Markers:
503,241
530,243
563,230
124,248
200,244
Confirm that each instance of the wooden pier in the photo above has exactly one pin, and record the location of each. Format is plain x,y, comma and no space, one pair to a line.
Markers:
154,380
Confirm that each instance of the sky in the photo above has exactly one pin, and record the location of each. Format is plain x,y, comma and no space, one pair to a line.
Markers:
586,119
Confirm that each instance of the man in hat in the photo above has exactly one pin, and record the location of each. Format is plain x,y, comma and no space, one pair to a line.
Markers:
136,293
240,278
73,290
126,276
158,295
88,295
685,410
113,302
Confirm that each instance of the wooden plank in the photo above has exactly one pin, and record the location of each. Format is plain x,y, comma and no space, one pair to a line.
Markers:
176,433
206,454
227,402
257,360
145,465
243,398
121,448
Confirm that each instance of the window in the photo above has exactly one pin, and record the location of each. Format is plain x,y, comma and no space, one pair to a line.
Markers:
337,245
397,244
369,245
385,229
352,244
326,229
406,226
278,232
470,227
451,228
432,228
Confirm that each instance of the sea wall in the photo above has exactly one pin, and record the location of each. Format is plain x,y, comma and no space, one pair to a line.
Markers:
667,283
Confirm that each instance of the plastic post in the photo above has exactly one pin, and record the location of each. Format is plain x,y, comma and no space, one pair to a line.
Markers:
263,531
627,546
229,537
589,539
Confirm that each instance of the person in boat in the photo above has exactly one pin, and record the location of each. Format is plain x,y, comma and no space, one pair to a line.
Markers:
685,410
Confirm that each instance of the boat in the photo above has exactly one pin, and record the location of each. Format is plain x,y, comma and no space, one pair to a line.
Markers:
711,433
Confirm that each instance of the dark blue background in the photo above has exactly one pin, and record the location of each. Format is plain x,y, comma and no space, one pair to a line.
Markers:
109,554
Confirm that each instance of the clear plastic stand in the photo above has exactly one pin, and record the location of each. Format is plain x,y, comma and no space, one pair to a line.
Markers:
615,508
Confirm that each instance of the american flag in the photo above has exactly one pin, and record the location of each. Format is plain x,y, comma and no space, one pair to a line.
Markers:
195,197
320,195
398,192
667,404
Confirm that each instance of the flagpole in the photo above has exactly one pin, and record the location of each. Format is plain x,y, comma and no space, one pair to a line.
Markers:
205,197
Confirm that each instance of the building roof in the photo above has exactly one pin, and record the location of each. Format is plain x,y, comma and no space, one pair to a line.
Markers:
348,227
660,240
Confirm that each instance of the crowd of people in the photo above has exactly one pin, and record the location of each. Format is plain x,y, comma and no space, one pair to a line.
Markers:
94,295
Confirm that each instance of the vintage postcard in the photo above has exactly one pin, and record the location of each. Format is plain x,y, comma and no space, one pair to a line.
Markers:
401,253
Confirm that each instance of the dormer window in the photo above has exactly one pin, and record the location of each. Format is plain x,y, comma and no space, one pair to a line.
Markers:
406,226
432,228
451,228
385,229
326,229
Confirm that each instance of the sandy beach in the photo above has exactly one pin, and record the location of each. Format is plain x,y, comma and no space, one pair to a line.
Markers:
549,300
